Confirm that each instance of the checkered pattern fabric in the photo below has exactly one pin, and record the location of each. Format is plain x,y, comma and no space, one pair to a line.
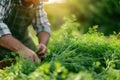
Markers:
19,19
40,21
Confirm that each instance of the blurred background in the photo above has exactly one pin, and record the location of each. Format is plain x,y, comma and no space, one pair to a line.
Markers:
104,13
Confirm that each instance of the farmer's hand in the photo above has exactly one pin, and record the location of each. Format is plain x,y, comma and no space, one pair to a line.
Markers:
11,43
29,54
41,50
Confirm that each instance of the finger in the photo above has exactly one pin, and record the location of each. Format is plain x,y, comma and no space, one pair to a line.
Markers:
36,59
38,47
43,51
27,58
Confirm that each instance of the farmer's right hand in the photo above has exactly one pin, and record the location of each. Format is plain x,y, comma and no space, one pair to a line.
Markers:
29,54
11,43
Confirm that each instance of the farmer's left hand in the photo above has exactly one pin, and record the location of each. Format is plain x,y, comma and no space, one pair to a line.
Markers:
41,50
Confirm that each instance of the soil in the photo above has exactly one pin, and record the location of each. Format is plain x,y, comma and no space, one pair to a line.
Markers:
6,63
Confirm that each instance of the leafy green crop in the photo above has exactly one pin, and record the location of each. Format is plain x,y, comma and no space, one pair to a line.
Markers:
72,56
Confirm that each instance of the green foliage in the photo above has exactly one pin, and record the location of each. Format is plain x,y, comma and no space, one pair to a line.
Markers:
72,56
106,15
44,72
85,51
88,12
92,51
23,66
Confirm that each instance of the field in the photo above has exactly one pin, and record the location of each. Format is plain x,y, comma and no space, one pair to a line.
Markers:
72,56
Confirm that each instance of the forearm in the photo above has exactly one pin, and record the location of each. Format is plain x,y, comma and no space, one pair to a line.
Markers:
11,43
43,37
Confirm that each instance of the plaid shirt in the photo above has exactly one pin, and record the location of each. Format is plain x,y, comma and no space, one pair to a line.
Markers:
40,23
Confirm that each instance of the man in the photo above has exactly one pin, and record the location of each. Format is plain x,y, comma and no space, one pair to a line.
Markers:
15,17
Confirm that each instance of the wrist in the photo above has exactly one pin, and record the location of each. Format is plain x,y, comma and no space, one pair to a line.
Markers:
43,37
43,43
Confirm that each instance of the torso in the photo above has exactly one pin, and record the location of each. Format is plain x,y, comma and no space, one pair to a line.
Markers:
18,18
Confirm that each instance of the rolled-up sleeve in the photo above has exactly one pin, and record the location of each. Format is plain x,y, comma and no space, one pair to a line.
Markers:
41,23
3,27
